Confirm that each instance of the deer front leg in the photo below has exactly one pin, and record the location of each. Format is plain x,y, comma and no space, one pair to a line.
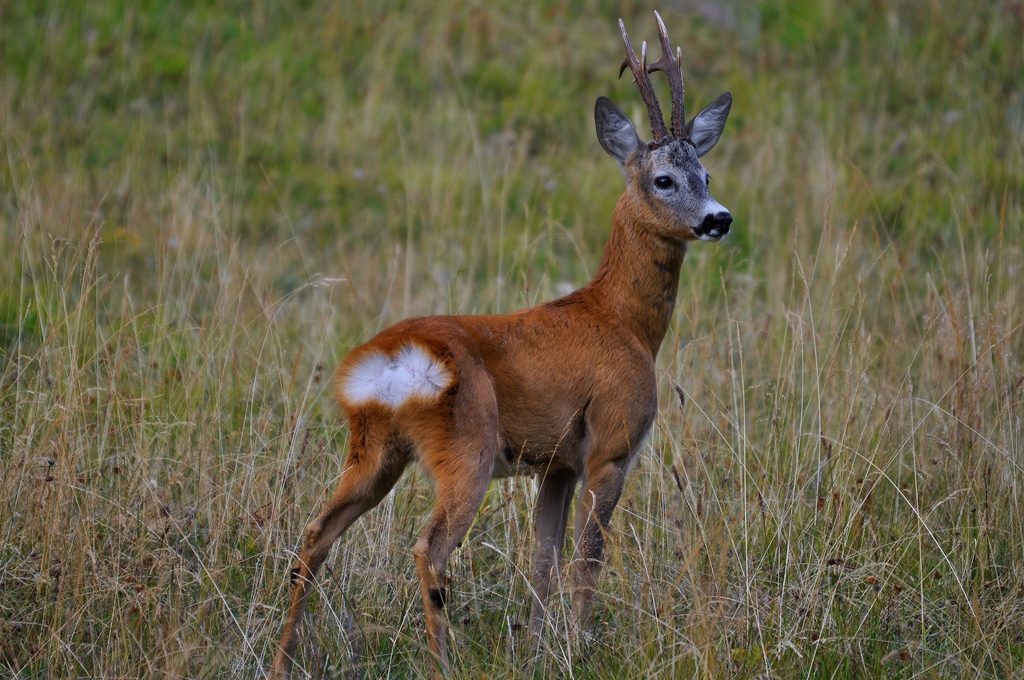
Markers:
549,526
594,508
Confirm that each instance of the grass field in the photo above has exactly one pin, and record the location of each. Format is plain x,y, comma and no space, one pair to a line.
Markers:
203,206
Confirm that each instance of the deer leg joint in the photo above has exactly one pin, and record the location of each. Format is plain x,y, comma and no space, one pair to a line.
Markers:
437,597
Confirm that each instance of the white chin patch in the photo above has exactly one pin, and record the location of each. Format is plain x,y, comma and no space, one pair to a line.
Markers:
713,235
392,380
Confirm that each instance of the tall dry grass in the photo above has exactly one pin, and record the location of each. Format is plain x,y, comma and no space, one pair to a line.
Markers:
204,207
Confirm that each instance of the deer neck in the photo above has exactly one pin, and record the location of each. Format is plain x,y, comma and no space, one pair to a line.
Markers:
638,278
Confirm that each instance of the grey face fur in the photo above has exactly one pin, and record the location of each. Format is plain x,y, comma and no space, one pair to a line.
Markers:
671,177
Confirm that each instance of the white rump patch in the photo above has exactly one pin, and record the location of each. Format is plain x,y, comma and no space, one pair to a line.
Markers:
391,380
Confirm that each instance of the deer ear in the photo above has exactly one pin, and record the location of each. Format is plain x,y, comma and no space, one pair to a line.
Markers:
706,127
617,135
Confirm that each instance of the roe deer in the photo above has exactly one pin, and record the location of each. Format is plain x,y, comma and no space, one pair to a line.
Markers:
565,391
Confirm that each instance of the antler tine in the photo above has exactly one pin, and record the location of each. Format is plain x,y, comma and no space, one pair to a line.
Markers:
643,82
671,64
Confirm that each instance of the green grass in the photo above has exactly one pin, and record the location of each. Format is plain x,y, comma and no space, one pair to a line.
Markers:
203,206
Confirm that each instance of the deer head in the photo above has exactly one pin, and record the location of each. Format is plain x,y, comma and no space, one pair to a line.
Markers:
666,174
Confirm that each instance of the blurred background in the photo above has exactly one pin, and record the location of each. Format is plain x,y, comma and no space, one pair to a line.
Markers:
204,205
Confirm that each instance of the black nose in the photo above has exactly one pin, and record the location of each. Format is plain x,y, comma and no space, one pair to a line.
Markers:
719,222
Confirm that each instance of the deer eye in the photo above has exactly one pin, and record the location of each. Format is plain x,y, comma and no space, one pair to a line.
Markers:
707,180
663,182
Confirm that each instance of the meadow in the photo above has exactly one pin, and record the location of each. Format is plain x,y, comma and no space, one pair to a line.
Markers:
204,205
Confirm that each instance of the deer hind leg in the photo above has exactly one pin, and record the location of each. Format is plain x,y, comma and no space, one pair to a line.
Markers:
459,495
594,510
549,526
375,462
458,445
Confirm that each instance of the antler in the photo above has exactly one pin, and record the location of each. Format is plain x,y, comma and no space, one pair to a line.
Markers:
671,64
643,83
